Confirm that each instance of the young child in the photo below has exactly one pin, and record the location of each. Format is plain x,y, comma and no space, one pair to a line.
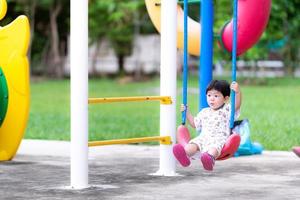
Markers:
213,123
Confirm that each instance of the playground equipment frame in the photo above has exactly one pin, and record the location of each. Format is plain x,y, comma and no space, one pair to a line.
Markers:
162,99
162,139
79,90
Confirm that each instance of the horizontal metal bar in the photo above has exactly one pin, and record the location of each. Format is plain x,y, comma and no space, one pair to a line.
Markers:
162,99
162,139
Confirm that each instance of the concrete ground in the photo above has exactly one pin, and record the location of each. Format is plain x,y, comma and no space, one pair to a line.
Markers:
41,170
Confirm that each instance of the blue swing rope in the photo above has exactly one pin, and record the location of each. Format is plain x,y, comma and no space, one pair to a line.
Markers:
185,62
234,47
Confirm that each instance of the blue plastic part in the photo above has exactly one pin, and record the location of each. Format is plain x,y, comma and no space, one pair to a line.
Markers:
247,147
206,57
257,148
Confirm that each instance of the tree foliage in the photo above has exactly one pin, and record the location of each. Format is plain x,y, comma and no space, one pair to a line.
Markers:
119,20
282,34
49,22
114,20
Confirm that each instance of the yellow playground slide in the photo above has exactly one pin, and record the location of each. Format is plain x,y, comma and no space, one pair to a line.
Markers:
14,83
153,8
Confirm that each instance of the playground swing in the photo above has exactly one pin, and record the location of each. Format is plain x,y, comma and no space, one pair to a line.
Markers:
183,135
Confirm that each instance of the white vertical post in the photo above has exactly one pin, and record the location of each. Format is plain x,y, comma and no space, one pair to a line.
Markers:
79,94
168,83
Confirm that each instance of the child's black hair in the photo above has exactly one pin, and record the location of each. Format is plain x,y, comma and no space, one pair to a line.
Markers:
219,85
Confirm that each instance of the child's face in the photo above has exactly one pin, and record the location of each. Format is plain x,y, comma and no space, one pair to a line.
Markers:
215,99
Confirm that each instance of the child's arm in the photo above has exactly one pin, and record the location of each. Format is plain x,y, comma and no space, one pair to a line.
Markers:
238,95
189,116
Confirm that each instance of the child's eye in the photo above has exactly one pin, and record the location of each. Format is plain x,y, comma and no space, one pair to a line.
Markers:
216,96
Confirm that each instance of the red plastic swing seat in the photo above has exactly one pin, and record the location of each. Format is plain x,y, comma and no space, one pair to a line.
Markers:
230,147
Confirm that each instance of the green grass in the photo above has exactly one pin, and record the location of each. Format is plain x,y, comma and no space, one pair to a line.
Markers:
271,105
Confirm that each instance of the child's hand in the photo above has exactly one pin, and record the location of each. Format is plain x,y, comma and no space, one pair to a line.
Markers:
235,87
183,108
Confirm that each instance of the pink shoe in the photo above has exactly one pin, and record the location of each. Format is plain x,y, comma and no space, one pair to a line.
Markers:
296,150
208,161
180,155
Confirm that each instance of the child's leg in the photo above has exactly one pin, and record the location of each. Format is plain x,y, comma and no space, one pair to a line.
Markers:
213,152
191,149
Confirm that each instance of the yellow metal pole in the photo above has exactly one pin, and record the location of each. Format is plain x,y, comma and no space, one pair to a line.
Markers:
162,139
162,99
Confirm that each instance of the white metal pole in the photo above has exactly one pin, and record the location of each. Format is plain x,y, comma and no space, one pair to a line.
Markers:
168,83
79,94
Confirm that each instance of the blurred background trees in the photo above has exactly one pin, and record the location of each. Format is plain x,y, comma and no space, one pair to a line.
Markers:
114,20
49,21
120,21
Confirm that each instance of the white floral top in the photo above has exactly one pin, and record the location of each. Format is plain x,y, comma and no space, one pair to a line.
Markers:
214,126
